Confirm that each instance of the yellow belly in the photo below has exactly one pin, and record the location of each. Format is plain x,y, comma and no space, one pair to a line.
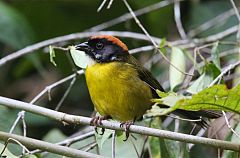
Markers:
117,91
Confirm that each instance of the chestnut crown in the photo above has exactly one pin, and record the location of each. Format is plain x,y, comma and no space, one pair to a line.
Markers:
104,48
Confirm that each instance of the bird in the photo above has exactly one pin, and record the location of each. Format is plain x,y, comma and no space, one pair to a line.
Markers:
119,86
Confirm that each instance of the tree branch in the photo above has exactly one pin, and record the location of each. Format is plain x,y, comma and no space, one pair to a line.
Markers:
218,36
128,16
69,37
53,148
211,23
124,34
177,17
63,117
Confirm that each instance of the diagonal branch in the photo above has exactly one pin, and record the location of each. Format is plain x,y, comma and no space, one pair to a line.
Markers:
150,38
53,148
177,17
73,36
63,117
128,16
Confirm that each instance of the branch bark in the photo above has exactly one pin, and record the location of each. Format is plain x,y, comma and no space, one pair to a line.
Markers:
66,118
69,37
53,148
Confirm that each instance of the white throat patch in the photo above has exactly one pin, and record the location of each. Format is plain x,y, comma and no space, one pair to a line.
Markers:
80,58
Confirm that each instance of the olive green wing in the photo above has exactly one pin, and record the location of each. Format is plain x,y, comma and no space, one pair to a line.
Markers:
145,76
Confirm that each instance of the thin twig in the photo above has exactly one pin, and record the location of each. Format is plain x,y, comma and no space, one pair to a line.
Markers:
24,129
66,93
124,34
150,38
177,17
139,23
236,10
153,60
37,97
219,128
14,140
200,134
114,144
221,55
92,146
63,117
70,141
53,148
135,148
167,122
211,23
228,124
197,52
16,121
110,4
55,84
226,70
176,125
127,16
217,36
101,6
184,119
141,49
74,36
143,147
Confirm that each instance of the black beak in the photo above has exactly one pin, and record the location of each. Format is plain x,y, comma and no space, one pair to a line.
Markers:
83,47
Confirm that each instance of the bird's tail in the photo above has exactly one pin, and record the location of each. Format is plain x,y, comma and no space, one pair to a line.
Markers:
201,115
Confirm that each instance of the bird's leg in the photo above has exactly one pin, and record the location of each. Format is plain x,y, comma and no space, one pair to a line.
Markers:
126,126
97,120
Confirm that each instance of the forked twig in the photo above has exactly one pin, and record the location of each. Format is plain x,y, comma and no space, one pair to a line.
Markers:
150,38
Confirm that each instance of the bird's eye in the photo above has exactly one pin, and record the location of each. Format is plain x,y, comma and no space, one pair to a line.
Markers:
99,45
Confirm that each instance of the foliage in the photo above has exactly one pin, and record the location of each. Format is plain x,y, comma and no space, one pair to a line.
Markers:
217,97
25,22
177,59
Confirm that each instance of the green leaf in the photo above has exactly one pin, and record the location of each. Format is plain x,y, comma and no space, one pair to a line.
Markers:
215,55
236,79
101,139
169,100
54,136
217,97
178,60
7,117
80,58
33,119
123,149
52,55
157,145
163,148
162,43
6,153
161,94
154,142
210,72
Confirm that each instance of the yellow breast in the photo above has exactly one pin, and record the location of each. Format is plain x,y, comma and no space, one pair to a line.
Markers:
117,91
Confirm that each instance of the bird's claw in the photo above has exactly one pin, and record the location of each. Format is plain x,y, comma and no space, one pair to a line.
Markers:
96,121
126,126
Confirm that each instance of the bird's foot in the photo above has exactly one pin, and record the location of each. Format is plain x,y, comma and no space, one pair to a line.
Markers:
126,126
96,121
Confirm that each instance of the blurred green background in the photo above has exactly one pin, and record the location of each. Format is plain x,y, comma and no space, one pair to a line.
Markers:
24,22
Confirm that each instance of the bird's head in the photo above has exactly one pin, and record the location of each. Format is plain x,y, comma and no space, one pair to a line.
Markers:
101,49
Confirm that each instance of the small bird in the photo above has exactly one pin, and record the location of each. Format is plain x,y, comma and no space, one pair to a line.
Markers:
120,88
